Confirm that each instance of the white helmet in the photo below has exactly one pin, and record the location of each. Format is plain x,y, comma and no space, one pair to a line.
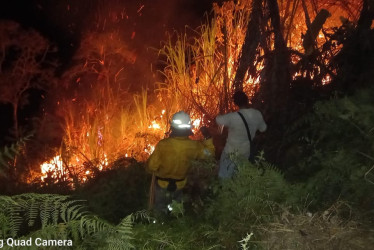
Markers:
181,120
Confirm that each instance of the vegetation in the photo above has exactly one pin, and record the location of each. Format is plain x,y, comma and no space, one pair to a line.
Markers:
48,216
114,193
337,168
257,209
24,65
315,190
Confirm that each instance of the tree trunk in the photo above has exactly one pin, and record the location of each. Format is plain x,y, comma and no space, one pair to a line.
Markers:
309,41
366,15
251,42
273,96
355,60
293,13
225,105
15,120
275,83
13,164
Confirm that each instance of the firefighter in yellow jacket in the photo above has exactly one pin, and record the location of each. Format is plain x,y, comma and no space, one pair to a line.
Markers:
171,160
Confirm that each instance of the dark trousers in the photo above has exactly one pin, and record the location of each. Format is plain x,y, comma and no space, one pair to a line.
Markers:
163,198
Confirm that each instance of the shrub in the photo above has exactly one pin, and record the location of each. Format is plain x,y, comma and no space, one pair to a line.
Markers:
117,192
337,150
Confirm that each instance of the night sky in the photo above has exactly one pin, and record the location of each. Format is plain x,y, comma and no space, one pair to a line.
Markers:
64,21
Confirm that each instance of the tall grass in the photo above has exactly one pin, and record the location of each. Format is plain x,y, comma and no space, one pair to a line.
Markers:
200,71
103,121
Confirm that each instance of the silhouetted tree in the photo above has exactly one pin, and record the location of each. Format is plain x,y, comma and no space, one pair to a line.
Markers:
23,66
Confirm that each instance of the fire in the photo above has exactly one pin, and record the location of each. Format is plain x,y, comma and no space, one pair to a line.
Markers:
196,123
198,79
154,125
104,163
149,149
53,168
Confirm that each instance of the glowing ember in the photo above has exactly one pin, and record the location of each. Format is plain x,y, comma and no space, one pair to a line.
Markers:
104,162
154,125
196,123
326,80
149,149
53,168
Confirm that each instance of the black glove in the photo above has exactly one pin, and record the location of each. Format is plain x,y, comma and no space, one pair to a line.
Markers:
205,132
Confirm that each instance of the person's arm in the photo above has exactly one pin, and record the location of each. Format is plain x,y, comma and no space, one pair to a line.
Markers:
261,125
205,132
209,149
223,120
205,148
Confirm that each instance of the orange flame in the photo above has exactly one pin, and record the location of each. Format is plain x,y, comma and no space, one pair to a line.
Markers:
193,86
52,168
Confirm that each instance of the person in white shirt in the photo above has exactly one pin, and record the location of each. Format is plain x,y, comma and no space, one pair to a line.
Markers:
237,139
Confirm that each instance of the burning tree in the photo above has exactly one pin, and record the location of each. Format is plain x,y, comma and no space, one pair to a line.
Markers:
279,52
244,44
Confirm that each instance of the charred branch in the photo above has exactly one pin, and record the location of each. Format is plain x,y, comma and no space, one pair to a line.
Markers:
314,28
251,43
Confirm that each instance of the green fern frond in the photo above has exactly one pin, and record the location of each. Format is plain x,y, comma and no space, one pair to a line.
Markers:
141,215
4,226
15,219
5,201
64,213
118,244
252,195
45,212
124,228
75,231
32,212
48,208
8,153
55,211
75,212
92,224
61,217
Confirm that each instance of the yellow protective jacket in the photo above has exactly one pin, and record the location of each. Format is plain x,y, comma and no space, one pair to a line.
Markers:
172,158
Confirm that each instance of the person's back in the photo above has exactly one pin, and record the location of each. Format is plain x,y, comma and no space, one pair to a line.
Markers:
172,158
237,139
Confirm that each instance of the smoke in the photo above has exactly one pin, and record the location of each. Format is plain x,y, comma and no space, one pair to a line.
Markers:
145,24
142,23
